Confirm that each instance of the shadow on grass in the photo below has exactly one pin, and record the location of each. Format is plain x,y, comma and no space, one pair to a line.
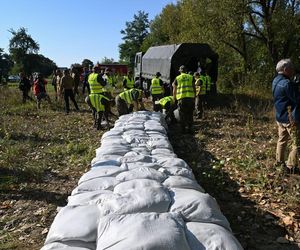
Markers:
253,227
54,198
8,179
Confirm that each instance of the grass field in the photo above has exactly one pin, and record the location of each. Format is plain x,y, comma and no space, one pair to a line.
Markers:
43,153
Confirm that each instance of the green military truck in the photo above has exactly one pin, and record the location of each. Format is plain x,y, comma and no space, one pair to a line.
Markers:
167,59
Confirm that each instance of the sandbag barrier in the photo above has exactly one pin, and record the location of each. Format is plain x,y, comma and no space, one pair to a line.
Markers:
139,195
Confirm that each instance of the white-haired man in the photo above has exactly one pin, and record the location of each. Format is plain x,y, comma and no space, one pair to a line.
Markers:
287,100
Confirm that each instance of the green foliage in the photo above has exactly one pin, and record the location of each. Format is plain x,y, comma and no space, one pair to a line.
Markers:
87,63
23,49
106,60
6,64
133,36
249,36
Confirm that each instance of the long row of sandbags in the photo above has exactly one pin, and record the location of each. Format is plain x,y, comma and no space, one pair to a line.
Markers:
139,195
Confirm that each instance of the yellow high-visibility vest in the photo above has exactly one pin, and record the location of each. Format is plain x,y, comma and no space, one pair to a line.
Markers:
156,89
96,101
184,86
95,86
127,95
129,82
165,100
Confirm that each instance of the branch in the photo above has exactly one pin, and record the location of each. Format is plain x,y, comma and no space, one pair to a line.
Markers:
256,36
235,48
256,28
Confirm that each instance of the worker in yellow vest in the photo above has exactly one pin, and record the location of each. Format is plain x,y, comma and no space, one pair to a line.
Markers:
128,81
157,89
96,82
167,104
110,84
184,91
129,100
200,82
100,107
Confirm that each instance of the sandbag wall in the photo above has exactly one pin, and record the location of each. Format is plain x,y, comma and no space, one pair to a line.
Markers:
139,195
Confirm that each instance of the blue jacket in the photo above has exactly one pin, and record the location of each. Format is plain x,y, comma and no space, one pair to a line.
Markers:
285,93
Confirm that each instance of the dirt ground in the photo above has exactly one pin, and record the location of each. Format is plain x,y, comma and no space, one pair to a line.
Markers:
231,153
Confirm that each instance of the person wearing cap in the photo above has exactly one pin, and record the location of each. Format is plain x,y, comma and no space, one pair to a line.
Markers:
184,93
128,81
67,85
129,100
156,88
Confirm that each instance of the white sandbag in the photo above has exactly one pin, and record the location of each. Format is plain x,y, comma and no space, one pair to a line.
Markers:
173,162
87,198
141,150
197,207
106,160
136,157
102,183
178,171
158,128
141,173
148,199
134,126
129,186
207,236
135,132
182,182
113,140
162,151
116,150
155,135
100,172
74,223
133,165
70,245
147,231
113,133
159,143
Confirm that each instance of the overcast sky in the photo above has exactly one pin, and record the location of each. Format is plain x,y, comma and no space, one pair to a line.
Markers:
69,31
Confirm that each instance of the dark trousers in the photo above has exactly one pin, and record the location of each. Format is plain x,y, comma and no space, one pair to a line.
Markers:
199,105
87,86
122,106
25,95
68,93
186,110
156,98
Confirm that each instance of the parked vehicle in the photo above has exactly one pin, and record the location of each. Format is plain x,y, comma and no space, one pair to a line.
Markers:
167,59
13,78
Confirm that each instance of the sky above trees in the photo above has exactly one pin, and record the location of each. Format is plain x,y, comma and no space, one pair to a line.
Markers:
70,31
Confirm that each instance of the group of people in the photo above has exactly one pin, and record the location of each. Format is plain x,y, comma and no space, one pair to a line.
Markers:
189,94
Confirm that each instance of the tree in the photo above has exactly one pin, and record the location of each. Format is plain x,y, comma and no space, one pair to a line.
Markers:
5,64
106,60
87,63
41,64
20,46
134,36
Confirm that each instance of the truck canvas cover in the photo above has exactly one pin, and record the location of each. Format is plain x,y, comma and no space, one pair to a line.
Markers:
168,58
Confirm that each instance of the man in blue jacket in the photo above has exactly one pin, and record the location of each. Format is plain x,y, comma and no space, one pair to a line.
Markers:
287,108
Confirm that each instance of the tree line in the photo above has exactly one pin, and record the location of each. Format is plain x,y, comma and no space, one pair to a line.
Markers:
23,56
249,36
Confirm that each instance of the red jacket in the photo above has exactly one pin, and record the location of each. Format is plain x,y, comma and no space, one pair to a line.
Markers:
39,86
